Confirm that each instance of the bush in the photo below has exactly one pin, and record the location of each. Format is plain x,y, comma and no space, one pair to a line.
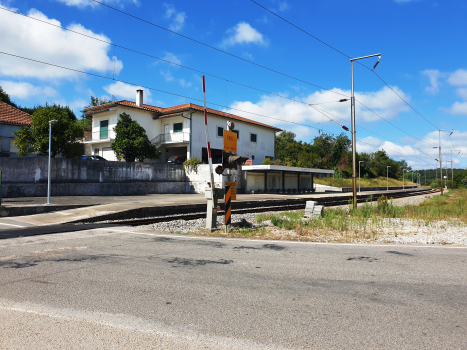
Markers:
191,164
434,184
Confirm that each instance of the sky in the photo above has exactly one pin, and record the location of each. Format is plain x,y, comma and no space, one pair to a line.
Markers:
257,65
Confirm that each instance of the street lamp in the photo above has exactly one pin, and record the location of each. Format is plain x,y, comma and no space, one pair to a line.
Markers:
352,116
440,159
50,152
403,179
387,177
360,161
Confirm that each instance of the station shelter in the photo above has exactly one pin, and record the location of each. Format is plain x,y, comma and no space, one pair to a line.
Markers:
281,179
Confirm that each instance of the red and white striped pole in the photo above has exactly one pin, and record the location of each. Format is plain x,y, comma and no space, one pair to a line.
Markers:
207,135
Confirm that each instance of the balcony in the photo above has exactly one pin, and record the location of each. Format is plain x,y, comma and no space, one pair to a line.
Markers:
99,136
176,137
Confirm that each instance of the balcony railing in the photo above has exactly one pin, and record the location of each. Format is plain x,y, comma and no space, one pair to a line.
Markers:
99,135
175,137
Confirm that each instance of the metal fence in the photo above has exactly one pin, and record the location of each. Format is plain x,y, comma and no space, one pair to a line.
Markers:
171,137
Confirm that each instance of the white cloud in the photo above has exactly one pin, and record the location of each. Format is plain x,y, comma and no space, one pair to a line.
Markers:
458,78
172,58
127,91
243,33
434,76
90,3
168,76
283,5
462,92
28,38
178,18
458,108
24,90
248,56
280,111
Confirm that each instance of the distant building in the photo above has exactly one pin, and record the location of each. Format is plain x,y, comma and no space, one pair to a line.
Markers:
11,119
179,130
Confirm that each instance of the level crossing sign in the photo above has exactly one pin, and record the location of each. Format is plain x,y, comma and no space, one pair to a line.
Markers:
230,141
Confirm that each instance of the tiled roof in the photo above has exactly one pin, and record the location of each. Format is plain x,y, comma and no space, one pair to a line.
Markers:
13,115
170,110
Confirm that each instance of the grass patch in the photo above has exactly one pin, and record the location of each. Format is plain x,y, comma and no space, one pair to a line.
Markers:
377,182
371,219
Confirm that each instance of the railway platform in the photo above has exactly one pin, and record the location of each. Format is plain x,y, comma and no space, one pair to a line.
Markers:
32,211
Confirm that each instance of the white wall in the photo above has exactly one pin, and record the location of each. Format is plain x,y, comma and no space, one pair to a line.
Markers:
264,147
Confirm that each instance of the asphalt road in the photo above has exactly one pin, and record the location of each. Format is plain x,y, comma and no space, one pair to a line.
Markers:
120,288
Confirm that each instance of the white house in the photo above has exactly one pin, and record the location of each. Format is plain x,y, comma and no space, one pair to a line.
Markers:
180,130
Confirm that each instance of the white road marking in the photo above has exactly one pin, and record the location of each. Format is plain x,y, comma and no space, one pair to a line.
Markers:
292,242
2,223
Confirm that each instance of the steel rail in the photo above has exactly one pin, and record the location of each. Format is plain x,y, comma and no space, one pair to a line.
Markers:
326,203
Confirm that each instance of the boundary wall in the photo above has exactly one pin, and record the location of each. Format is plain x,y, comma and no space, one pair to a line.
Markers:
27,177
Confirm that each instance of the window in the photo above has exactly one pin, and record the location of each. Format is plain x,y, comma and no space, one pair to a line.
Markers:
252,157
104,132
253,138
96,151
220,131
237,132
178,127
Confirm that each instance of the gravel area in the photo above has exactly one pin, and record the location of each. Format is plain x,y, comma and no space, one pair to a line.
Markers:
399,231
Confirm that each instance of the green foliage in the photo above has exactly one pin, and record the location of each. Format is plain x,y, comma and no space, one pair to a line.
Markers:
192,164
268,161
131,142
66,133
86,121
434,184
4,97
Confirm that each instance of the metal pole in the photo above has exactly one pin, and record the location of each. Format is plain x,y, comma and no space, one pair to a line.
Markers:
440,162
354,148
412,179
359,188
403,180
452,174
387,177
48,171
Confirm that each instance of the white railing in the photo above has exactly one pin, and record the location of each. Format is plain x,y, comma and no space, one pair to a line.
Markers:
175,137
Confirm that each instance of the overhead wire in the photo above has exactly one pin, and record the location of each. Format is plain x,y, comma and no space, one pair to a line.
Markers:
344,54
154,89
243,59
217,49
193,69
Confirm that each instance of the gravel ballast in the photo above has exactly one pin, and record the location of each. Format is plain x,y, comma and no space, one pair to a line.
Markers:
398,231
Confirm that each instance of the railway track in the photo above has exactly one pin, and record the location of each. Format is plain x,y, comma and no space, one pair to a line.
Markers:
327,202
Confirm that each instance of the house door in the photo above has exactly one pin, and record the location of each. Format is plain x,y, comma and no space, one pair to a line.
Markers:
166,133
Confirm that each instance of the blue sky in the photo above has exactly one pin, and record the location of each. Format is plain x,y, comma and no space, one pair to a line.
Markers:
422,43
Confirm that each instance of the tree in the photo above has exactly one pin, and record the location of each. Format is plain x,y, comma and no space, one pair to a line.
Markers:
4,97
86,121
66,133
131,142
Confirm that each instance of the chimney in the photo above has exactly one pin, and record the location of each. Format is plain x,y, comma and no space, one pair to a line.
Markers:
139,98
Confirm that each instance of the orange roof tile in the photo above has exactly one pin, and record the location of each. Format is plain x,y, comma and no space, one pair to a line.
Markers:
13,115
170,110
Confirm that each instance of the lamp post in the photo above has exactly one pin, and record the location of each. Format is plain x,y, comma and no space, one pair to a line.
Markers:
50,152
387,177
403,179
440,159
360,161
447,177
352,117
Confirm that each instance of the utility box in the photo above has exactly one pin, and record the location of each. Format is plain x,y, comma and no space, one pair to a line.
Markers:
213,199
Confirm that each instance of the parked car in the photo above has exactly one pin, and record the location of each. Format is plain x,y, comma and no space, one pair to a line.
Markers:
176,159
92,158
